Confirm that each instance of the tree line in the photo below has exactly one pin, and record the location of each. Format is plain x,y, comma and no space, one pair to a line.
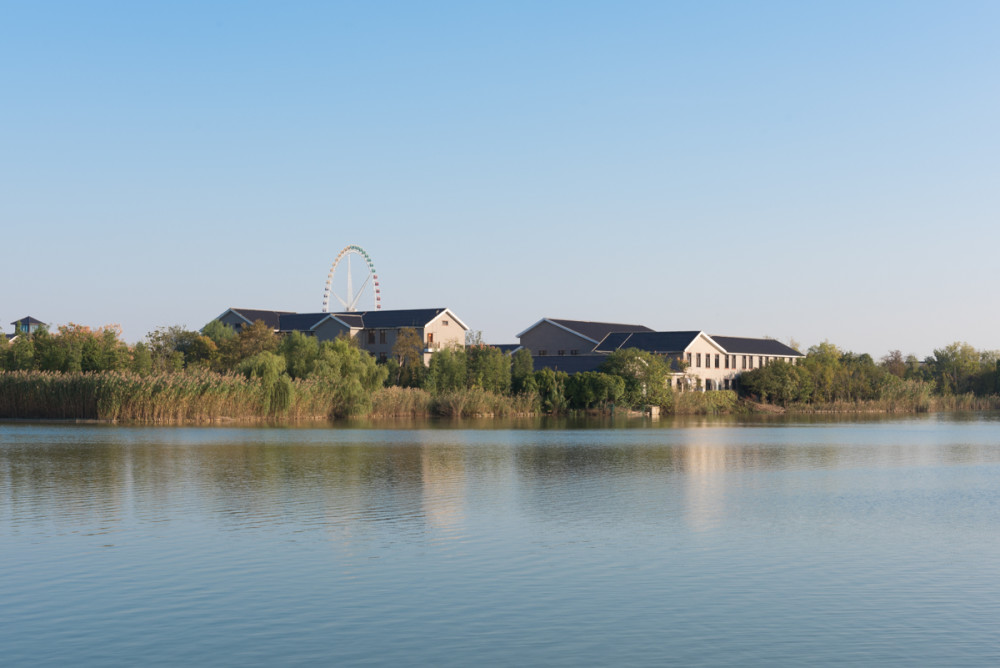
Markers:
279,365
829,375
285,369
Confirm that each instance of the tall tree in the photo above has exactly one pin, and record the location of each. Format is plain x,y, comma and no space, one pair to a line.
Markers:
409,353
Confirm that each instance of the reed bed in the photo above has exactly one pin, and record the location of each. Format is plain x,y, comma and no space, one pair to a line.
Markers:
475,401
163,398
704,403
402,402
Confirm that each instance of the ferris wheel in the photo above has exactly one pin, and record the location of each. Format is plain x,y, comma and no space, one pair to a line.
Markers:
342,282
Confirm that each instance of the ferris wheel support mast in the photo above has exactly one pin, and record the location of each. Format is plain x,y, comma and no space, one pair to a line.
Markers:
352,298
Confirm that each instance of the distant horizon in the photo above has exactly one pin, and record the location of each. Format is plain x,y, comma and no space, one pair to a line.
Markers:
800,171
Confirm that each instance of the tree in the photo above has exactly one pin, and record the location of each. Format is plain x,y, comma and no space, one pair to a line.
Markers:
353,375
168,345
218,331
487,367
276,385
447,371
593,388
300,353
894,363
142,359
552,390
253,340
644,374
409,352
522,372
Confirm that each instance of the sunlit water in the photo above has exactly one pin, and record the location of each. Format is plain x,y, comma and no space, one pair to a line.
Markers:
687,543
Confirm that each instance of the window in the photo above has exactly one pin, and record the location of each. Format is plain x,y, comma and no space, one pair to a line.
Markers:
381,357
381,336
689,359
697,359
562,352
543,353
716,361
371,336
574,352
760,361
444,323
727,361
744,361
430,337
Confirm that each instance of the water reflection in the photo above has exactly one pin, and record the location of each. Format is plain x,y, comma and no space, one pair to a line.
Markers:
64,477
693,541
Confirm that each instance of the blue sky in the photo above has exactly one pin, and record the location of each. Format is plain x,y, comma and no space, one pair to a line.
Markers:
820,171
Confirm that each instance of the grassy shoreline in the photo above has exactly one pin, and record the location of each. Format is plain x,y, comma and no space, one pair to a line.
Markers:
209,398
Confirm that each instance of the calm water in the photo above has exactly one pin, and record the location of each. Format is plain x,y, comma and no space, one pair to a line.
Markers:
689,543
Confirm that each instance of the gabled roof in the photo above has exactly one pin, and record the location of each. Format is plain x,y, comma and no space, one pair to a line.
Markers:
506,348
27,320
592,331
654,342
270,318
288,322
418,317
569,363
738,344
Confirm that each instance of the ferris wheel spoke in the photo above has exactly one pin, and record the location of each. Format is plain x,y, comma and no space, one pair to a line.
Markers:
357,297
370,287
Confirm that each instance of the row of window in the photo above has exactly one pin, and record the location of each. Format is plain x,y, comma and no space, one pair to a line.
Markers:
685,383
544,353
730,361
382,336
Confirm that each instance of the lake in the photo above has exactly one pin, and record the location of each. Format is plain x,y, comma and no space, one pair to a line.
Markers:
698,542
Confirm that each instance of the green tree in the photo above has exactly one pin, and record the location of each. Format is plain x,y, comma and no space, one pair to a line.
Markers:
253,340
142,359
352,373
487,367
218,331
409,353
300,352
522,372
590,389
552,390
447,371
21,354
277,387
644,374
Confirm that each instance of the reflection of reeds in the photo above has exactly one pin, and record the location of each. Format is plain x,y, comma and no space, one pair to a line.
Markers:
176,397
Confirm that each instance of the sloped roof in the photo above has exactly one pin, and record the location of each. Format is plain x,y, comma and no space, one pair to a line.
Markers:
270,318
299,321
654,342
738,344
569,363
27,320
506,348
417,317
595,331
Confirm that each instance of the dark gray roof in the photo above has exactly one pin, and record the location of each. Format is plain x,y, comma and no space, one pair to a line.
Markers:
505,348
351,319
597,330
299,321
417,317
270,318
738,344
27,320
569,363
654,342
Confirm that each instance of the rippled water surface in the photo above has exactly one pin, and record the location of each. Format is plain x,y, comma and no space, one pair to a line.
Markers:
686,543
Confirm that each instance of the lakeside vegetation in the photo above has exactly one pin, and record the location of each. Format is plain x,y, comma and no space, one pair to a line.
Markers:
177,375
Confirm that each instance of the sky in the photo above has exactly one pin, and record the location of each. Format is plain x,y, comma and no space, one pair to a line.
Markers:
820,171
